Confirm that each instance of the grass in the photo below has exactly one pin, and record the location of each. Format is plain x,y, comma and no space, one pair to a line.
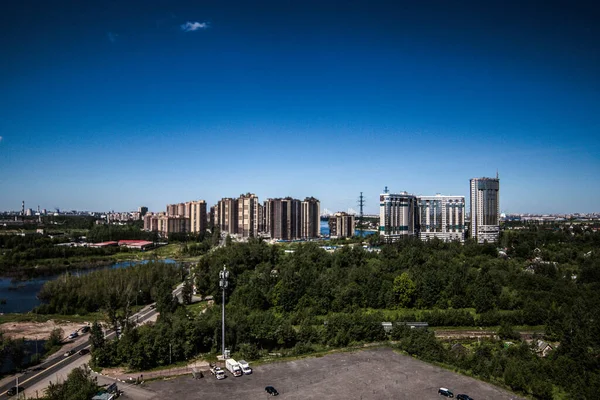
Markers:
31,317
196,308
169,251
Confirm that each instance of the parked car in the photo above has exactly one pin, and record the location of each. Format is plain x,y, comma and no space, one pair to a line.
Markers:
445,392
85,329
272,391
13,390
463,397
69,353
73,335
83,352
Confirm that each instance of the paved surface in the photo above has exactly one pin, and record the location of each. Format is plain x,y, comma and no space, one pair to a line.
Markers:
368,374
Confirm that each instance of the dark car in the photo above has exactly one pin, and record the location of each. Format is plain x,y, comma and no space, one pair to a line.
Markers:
463,397
445,392
272,391
85,329
83,352
13,390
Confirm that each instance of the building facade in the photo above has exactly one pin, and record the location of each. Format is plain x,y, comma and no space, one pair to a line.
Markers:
227,215
485,209
168,225
283,218
341,224
248,215
441,217
397,216
310,218
197,213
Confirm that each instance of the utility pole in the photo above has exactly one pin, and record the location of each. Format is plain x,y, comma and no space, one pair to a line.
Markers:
223,276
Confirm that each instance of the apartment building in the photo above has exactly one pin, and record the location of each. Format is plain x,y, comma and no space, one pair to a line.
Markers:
227,215
341,225
310,221
485,209
441,217
248,218
283,218
197,216
397,216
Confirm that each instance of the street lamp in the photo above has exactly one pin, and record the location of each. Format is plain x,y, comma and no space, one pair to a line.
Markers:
223,276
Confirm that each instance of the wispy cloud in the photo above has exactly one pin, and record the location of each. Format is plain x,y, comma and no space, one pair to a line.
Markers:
194,26
112,37
0,138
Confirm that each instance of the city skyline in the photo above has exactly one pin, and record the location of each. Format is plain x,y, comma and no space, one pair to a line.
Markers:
113,106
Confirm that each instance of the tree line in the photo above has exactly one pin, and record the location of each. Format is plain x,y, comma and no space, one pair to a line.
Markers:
312,300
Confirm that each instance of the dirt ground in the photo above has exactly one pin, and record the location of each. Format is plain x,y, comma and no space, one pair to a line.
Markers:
39,330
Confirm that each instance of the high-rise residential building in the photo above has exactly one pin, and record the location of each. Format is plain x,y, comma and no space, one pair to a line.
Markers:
341,224
247,215
485,209
171,210
397,216
228,215
168,225
197,215
142,210
310,221
441,217
283,218
212,217
261,218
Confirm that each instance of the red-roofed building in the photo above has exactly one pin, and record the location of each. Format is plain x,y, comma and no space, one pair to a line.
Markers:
136,244
104,244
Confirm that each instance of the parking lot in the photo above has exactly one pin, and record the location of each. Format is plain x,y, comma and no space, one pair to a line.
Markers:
369,374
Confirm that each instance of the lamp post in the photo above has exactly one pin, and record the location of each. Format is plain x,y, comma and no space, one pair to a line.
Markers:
223,276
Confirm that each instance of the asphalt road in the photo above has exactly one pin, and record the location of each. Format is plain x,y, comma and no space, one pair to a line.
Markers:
368,374
44,371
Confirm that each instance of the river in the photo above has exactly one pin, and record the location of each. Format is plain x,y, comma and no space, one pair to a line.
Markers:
21,296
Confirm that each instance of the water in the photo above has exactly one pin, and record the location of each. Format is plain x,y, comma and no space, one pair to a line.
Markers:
21,297
325,230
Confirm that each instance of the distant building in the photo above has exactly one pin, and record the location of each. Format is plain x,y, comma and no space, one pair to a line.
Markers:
283,218
310,222
248,217
341,225
197,215
212,217
143,211
441,217
168,225
227,215
397,216
485,209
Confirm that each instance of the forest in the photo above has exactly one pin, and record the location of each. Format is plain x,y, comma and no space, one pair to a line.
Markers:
312,300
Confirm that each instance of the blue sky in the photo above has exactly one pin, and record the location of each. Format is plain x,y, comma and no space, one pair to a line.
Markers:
113,105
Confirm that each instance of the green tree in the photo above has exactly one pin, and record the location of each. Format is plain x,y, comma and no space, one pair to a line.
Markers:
96,336
404,289
186,291
80,385
55,339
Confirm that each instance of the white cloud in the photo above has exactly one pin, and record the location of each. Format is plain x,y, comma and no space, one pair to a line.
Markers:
0,138
194,26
